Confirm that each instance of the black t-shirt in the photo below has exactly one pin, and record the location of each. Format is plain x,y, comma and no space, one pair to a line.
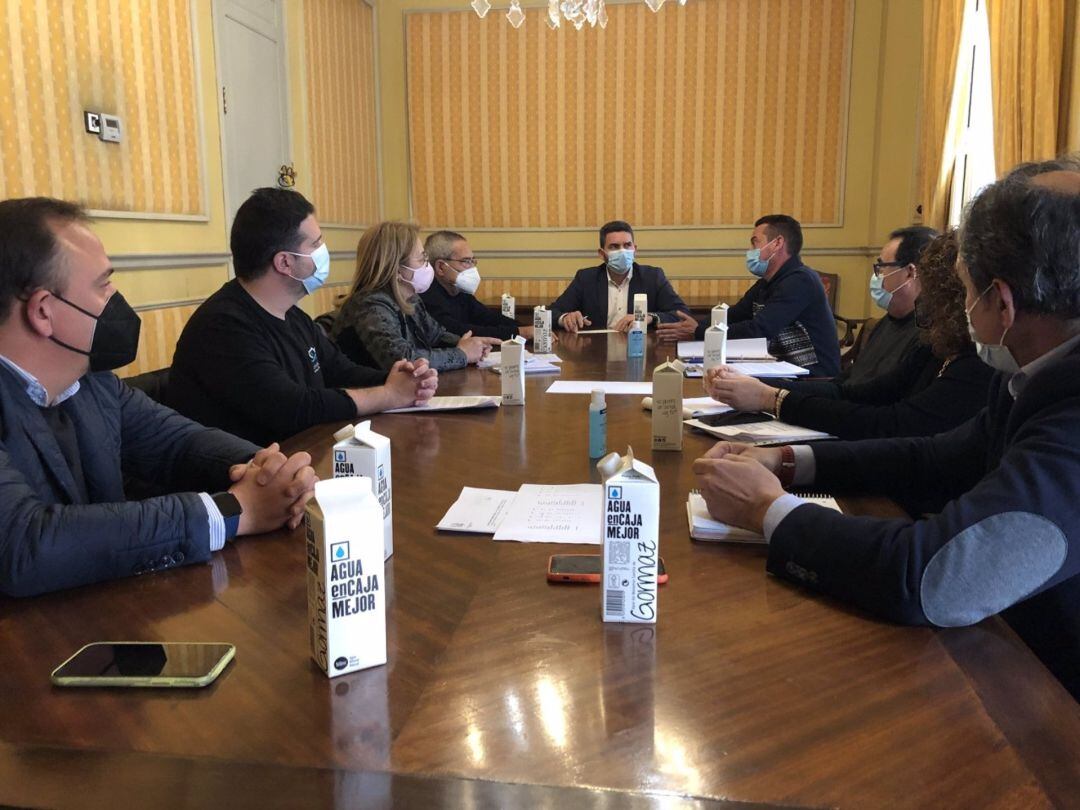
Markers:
239,368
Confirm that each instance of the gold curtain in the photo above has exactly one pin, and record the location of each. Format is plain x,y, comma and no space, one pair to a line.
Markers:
1069,115
1026,58
942,23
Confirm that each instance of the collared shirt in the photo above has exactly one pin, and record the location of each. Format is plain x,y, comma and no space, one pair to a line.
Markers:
1019,379
35,390
618,297
40,397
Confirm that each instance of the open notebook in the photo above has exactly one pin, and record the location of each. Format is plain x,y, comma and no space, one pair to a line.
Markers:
703,527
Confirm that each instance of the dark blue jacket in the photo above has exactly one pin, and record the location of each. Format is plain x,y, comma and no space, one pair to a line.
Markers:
1004,536
792,311
54,538
588,294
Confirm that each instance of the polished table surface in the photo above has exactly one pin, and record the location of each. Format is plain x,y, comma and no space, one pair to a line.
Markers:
503,690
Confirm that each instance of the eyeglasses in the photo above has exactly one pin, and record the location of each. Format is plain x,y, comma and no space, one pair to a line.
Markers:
879,266
468,261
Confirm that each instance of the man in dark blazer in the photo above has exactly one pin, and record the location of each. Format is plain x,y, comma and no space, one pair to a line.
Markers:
997,526
602,297
70,431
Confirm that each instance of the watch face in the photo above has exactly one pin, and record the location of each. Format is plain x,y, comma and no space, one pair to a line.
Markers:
228,505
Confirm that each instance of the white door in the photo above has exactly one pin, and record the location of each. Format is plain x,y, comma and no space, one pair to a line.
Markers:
253,94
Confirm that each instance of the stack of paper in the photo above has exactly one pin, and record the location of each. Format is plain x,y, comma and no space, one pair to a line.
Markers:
694,407
745,349
773,368
772,431
477,510
534,363
451,404
704,527
568,513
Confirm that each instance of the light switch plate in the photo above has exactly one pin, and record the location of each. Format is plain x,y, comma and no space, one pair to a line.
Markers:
92,122
110,128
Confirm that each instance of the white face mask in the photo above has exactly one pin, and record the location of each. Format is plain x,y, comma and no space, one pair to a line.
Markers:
995,355
468,281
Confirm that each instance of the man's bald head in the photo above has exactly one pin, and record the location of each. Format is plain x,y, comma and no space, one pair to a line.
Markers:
1059,180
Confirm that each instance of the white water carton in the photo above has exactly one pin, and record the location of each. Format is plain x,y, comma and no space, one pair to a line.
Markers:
667,429
631,532
361,451
508,309
541,330
715,353
719,315
346,577
641,307
512,369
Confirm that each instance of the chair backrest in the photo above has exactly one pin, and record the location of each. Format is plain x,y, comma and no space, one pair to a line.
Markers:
152,383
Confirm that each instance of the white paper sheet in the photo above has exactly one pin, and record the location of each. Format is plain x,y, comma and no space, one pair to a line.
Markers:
743,349
597,331
775,368
542,513
607,386
477,510
695,406
761,433
451,404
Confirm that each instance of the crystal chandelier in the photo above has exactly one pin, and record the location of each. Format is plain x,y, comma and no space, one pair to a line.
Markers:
577,12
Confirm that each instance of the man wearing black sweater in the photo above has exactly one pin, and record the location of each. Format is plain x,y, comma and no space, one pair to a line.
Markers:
451,300
787,304
251,362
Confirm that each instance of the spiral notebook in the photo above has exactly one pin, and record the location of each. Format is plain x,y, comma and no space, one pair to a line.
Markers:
704,527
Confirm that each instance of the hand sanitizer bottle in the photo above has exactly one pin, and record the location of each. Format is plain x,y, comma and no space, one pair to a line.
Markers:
597,425
635,339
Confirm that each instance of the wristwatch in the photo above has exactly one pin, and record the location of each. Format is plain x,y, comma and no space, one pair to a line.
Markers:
230,510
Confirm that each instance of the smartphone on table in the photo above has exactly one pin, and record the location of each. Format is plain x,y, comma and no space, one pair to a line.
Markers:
144,663
584,568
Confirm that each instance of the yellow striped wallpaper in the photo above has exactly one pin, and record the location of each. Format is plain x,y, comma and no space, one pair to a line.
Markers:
132,59
704,115
341,110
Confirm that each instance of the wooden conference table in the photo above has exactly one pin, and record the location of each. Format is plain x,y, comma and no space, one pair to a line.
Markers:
505,691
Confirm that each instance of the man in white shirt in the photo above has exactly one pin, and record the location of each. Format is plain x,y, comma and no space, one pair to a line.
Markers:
602,297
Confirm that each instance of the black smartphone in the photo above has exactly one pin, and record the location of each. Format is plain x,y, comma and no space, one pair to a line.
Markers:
584,568
140,663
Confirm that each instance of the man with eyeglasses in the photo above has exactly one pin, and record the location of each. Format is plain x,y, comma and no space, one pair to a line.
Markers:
894,286
452,300
996,525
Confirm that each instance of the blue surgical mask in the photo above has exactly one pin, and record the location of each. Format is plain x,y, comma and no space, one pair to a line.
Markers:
881,296
755,264
321,257
996,355
620,261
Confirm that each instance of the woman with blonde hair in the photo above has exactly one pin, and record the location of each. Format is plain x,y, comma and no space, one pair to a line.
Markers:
383,320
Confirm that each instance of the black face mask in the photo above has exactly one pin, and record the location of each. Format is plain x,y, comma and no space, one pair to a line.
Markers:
116,336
